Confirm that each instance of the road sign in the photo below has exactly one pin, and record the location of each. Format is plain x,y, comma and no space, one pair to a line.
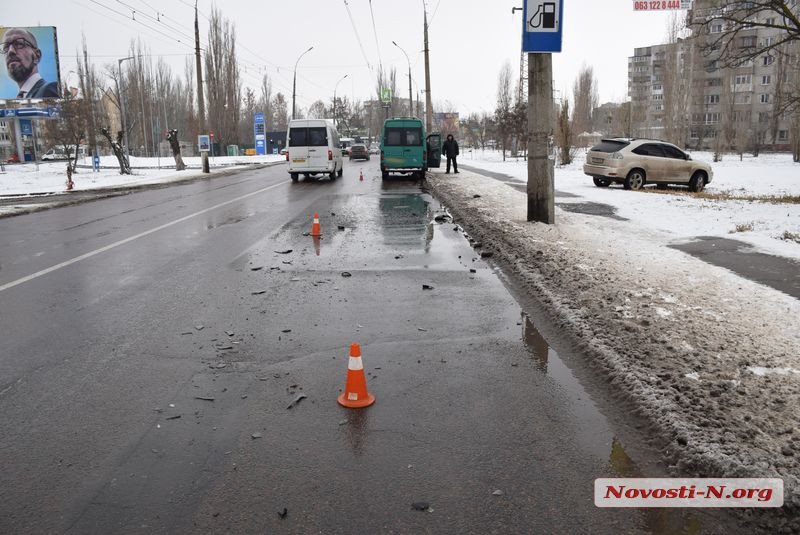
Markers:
96,163
26,127
204,143
542,23
386,95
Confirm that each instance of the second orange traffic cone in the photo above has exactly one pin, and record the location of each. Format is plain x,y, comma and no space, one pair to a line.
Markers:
355,395
315,228
361,176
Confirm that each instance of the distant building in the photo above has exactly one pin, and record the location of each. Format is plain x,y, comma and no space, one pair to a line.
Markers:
679,92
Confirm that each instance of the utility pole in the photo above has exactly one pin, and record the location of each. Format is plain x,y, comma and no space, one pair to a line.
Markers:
294,79
541,171
410,96
541,35
201,103
428,106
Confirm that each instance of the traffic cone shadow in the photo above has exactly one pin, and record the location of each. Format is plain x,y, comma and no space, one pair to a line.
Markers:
355,395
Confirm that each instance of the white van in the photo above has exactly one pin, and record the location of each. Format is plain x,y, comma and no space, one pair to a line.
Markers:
313,148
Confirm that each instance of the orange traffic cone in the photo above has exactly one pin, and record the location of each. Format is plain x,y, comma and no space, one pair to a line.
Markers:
361,176
355,395
315,228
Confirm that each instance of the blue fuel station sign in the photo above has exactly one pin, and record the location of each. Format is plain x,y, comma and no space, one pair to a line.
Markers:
259,129
542,22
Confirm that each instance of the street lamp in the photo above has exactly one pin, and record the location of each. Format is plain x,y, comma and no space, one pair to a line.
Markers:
294,79
122,102
334,100
410,99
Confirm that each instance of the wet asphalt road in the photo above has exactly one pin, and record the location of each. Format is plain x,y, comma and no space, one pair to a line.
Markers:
153,344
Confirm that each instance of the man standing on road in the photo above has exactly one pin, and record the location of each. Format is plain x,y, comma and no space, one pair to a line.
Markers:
450,149
22,63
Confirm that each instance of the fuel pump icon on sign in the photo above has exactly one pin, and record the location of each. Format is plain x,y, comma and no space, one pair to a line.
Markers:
544,17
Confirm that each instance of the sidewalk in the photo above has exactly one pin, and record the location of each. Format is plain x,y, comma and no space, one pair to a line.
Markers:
709,359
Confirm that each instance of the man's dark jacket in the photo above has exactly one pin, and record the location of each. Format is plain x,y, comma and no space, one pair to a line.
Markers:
450,148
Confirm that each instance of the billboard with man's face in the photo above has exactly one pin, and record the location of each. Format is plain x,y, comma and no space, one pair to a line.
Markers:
29,67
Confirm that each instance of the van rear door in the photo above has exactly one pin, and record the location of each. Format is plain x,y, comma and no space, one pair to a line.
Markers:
298,147
317,147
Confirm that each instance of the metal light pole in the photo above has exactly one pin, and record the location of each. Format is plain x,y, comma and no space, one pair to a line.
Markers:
294,79
410,97
334,100
122,104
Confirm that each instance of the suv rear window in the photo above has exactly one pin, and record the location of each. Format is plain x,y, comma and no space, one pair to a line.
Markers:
402,137
610,145
315,136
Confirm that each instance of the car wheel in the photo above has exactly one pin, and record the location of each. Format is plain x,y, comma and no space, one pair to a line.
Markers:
384,175
332,174
601,182
634,180
341,170
295,176
698,181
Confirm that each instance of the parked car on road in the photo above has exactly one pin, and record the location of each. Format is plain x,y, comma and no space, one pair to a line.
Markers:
635,163
359,151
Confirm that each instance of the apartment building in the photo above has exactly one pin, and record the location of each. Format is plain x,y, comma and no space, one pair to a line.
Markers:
682,91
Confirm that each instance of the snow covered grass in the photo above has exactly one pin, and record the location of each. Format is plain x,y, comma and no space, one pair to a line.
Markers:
762,194
50,177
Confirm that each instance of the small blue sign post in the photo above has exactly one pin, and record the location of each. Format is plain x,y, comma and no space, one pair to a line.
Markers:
259,132
542,25
96,163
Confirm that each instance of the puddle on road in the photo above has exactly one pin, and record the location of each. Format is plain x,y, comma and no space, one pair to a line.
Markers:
595,435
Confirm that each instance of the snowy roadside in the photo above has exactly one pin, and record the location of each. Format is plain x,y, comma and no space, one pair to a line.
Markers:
46,183
710,360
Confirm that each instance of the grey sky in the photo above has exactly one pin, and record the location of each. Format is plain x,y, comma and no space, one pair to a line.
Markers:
469,41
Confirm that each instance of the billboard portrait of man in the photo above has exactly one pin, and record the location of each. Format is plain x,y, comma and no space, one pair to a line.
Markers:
30,63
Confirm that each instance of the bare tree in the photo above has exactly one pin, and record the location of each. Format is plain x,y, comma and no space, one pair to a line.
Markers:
503,110
223,79
565,136
317,110
677,83
116,147
585,97
69,130
280,112
172,137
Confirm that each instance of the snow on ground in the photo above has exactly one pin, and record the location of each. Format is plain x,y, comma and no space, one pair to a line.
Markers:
50,177
677,215
706,357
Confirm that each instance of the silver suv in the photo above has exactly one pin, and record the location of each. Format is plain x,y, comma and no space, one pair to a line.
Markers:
636,162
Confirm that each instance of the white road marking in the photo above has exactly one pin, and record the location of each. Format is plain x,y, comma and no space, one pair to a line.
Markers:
129,239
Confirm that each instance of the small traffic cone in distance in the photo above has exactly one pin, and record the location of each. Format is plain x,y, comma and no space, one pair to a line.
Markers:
361,176
315,228
355,395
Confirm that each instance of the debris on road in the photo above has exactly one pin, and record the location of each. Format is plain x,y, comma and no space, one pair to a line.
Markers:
204,398
259,292
427,287
286,331
422,506
173,417
283,513
287,251
346,274
257,268
199,327
256,435
297,400
487,254
229,333
498,492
